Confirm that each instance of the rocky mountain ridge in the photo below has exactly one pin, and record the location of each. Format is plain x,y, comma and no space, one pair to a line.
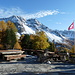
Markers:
30,26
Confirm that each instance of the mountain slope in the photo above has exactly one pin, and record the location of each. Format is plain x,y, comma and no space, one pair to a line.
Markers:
30,26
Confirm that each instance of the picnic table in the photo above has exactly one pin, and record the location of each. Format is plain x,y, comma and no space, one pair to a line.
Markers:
11,54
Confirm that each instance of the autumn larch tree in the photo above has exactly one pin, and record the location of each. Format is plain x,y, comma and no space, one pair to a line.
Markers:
40,41
17,46
12,25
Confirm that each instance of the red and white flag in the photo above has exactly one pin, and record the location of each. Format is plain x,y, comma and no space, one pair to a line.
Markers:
71,26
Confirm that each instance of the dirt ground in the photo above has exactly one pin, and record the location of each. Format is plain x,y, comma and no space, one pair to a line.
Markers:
30,66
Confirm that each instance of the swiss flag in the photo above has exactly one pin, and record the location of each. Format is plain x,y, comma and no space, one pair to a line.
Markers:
71,26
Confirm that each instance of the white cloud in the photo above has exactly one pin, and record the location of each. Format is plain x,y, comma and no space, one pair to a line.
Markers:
6,12
40,14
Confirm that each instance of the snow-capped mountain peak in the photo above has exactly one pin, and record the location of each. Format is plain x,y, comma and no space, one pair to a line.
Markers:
30,26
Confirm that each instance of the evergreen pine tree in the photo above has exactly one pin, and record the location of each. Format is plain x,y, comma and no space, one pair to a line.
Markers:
51,47
10,38
25,42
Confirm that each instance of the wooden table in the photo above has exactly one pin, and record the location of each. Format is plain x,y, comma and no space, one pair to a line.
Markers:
11,54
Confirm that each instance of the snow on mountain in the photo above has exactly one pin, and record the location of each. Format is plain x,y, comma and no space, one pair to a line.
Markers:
52,37
30,26
20,24
27,30
51,34
68,34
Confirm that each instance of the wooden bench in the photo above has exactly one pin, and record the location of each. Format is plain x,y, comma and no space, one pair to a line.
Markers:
11,54
10,57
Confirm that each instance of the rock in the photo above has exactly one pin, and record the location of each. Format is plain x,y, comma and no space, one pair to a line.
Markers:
48,62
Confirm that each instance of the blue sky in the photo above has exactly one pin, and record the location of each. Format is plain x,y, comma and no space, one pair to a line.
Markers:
55,14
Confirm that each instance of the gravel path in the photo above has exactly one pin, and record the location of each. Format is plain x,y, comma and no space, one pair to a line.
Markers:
29,66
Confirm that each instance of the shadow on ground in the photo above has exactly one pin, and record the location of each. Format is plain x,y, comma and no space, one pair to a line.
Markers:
34,73
26,60
71,72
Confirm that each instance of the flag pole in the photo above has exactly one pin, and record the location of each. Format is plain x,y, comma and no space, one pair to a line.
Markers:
72,26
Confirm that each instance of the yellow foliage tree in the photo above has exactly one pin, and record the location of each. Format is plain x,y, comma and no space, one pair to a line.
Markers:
12,25
1,46
17,46
73,49
40,41
66,50
3,26
4,34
